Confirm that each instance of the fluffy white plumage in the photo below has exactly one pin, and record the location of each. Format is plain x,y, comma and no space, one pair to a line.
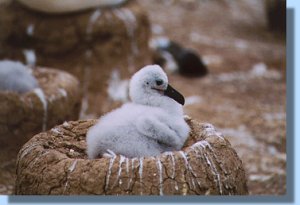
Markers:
16,77
151,124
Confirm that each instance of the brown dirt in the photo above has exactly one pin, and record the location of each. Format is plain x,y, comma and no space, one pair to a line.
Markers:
249,109
55,162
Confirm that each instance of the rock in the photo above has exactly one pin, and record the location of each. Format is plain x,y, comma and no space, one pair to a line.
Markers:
58,6
55,162
24,115
93,45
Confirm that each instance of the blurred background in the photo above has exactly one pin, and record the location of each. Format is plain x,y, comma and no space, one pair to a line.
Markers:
240,43
244,93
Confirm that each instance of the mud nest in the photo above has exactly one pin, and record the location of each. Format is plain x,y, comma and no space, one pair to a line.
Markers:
24,115
94,45
55,162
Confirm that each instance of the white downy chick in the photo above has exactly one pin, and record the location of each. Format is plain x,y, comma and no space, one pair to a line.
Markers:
151,124
16,77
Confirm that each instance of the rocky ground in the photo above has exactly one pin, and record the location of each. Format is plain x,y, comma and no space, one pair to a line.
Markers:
244,94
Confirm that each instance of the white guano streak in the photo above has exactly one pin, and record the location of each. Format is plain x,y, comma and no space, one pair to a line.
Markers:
117,89
93,18
141,173
122,159
87,69
202,145
30,57
111,162
73,165
27,149
30,29
130,23
173,169
132,172
40,94
159,167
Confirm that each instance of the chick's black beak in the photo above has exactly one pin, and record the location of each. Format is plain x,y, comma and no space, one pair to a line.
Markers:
174,94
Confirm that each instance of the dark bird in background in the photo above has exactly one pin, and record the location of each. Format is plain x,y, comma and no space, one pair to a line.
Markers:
185,61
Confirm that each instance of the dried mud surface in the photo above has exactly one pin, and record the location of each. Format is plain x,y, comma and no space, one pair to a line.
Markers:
55,162
248,107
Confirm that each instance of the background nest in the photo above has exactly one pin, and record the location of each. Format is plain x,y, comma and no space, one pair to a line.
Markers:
24,115
62,98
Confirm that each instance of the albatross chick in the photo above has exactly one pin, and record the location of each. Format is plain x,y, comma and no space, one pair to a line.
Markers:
149,125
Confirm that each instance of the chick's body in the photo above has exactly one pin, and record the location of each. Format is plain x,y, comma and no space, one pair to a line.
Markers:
133,133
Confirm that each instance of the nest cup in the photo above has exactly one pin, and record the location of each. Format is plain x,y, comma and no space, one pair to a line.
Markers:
55,162
100,46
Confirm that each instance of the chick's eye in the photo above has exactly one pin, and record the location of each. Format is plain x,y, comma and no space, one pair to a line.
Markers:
159,82
147,83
